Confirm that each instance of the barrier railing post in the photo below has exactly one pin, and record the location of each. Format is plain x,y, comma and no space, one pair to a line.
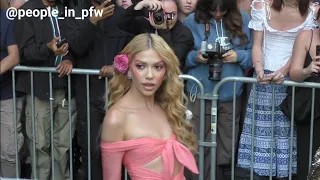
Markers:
253,128
311,128
201,148
214,120
233,129
70,127
15,123
89,126
51,125
34,169
272,134
202,123
291,133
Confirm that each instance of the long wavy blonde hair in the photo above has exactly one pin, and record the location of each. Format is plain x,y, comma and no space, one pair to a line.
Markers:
169,96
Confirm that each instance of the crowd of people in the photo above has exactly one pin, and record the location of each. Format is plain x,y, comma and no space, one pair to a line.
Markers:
141,47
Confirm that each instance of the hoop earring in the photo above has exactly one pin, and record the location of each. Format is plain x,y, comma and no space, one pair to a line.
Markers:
129,76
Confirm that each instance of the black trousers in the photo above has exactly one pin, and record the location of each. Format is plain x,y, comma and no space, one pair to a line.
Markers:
97,114
303,140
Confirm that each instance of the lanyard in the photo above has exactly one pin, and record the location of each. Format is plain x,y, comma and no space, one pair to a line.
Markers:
53,27
206,31
58,58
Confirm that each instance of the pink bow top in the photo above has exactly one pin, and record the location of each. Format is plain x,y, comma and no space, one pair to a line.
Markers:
138,152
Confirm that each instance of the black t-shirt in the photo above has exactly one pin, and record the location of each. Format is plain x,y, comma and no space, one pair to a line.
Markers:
6,34
7,39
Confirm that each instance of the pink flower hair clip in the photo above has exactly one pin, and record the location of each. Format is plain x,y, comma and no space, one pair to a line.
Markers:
121,63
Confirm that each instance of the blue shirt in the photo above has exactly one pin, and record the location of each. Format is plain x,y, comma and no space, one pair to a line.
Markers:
201,71
7,39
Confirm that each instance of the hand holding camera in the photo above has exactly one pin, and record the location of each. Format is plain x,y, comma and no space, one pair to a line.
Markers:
107,8
157,17
59,48
202,58
229,57
151,5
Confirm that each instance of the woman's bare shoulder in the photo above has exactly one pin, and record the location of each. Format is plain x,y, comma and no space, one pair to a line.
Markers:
303,40
113,126
304,36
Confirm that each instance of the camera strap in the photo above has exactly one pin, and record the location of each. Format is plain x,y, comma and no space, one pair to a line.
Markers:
206,31
222,40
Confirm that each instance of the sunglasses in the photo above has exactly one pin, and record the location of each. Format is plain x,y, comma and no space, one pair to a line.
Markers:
170,16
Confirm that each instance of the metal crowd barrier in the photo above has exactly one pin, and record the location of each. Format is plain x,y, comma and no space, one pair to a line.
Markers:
214,119
51,70
201,96
86,72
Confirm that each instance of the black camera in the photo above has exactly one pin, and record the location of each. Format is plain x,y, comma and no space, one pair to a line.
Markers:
213,51
160,16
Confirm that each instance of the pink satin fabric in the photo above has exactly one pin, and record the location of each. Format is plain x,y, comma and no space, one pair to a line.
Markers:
138,152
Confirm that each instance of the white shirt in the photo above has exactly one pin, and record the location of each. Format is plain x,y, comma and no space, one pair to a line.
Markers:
277,45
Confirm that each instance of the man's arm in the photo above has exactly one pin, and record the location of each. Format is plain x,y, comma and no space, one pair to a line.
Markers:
12,59
30,51
69,56
80,33
127,20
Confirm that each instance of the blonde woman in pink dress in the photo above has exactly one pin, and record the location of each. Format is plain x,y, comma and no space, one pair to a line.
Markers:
145,128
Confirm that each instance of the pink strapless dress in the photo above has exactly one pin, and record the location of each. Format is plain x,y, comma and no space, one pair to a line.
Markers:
138,152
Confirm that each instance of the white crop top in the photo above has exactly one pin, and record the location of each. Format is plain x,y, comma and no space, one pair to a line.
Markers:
277,45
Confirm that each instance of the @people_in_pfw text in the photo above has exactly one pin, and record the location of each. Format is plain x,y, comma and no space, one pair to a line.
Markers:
13,13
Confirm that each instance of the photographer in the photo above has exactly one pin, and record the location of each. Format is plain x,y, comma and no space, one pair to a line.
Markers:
139,18
41,44
94,42
222,25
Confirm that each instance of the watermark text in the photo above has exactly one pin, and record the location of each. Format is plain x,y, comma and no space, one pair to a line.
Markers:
13,13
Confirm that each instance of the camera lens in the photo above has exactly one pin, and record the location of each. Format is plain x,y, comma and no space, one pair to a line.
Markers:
158,17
